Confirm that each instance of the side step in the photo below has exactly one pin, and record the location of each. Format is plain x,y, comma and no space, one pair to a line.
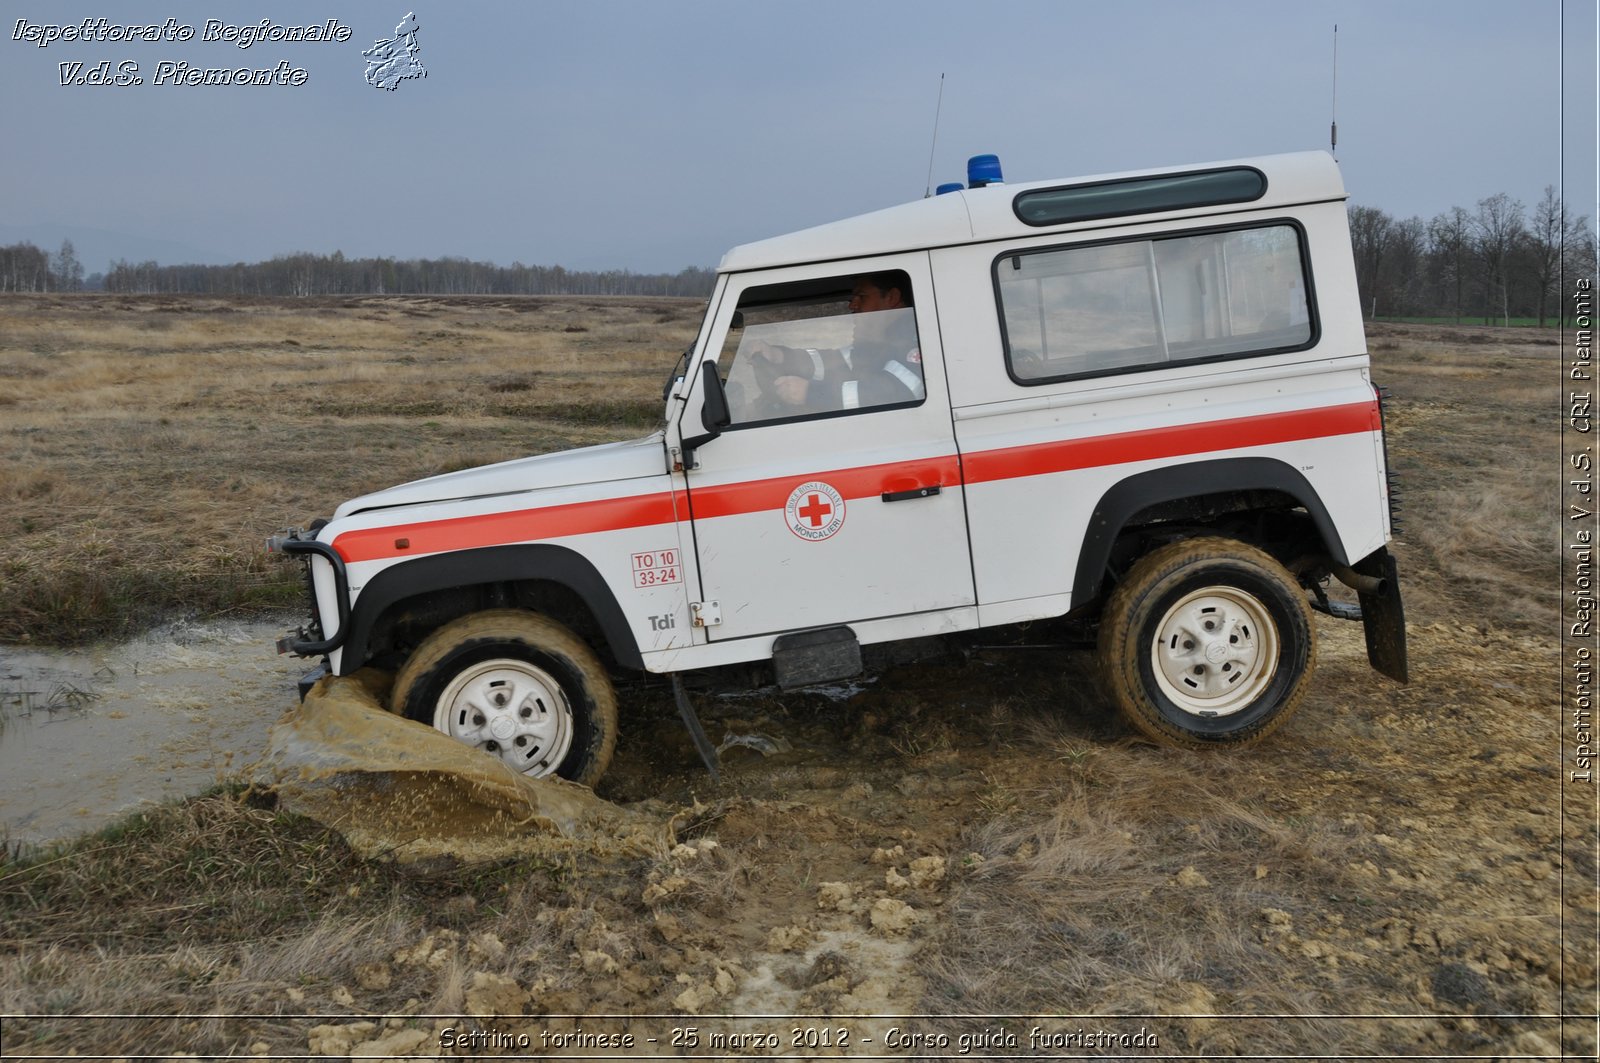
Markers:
801,658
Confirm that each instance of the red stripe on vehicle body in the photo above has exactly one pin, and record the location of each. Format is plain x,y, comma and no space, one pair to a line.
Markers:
1233,433
498,529
753,496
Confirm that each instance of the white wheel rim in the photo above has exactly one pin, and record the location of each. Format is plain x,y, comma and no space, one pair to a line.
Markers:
1215,651
512,710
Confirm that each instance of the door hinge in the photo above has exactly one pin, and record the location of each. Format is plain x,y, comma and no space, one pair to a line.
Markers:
705,614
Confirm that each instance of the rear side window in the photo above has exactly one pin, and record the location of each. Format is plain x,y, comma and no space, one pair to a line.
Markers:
1138,304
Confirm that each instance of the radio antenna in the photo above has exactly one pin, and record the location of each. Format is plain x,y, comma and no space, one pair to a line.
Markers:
936,109
1333,126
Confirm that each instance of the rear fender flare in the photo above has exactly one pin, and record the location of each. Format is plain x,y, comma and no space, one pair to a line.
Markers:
1192,480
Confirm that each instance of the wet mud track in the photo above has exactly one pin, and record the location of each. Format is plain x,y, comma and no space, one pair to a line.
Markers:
981,836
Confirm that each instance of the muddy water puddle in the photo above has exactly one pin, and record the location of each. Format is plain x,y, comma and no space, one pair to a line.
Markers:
88,735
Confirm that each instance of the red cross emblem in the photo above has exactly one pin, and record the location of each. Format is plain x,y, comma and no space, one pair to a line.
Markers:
815,511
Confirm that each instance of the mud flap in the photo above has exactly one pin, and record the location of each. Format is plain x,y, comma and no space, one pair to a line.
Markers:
1383,615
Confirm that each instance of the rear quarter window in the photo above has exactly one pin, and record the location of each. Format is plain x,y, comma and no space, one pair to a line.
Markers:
1128,305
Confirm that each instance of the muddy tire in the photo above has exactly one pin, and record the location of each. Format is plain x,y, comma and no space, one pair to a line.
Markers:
520,687
1207,642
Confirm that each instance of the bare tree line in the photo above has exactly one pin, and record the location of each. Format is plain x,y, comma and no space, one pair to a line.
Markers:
1493,264
1489,265
26,268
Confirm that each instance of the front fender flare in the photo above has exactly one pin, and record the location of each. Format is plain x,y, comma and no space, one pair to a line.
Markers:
493,564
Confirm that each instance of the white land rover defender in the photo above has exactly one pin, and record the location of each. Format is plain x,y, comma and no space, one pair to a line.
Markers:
1141,401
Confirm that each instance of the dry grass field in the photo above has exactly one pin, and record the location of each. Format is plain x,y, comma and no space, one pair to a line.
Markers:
151,443
1391,875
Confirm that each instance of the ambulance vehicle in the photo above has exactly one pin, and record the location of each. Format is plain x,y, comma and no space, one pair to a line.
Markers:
1140,402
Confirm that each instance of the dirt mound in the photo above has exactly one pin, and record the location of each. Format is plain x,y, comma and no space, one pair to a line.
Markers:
397,788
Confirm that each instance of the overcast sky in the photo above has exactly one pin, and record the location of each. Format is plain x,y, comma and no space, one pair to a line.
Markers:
653,136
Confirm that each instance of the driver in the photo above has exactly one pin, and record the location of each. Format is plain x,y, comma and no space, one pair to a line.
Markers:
882,366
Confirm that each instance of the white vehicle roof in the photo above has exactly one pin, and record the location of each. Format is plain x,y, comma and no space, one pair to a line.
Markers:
978,214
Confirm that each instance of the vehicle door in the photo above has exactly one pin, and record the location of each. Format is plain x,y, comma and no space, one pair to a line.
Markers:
834,494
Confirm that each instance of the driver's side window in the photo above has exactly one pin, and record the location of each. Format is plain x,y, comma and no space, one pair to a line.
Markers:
822,347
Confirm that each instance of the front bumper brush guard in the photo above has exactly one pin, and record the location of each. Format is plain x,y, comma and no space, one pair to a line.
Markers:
297,642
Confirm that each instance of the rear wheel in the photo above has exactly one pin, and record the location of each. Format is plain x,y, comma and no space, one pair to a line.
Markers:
518,686
1207,642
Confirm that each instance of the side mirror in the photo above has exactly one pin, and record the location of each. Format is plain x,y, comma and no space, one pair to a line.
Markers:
714,413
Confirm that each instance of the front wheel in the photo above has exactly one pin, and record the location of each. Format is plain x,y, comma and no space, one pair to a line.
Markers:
1207,642
518,686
